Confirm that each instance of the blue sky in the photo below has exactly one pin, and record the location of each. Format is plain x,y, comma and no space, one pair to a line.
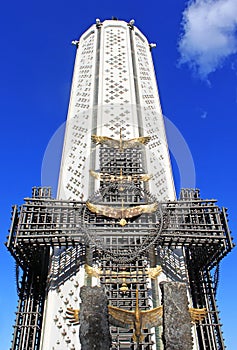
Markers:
196,67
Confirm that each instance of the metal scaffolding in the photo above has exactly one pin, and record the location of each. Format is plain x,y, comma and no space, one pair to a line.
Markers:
43,222
198,226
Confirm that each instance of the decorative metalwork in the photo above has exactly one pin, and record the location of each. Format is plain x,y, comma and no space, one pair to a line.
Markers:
120,144
197,225
73,315
197,315
137,319
122,213
98,227
190,223
154,272
120,178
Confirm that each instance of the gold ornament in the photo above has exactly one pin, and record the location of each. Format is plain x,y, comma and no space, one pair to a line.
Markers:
121,213
121,144
73,316
153,272
137,319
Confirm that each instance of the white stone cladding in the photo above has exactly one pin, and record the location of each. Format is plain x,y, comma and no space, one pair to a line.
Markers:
113,87
152,122
77,138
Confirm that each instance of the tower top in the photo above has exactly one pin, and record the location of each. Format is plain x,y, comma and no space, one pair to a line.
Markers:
131,22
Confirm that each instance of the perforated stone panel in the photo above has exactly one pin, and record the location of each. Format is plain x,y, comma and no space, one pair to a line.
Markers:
116,88
63,292
158,162
76,154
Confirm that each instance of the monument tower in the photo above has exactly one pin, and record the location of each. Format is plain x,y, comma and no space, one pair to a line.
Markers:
116,222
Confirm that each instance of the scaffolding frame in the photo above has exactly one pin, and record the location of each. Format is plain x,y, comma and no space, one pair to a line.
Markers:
198,226
44,222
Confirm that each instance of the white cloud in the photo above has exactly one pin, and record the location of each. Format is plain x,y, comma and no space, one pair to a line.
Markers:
209,34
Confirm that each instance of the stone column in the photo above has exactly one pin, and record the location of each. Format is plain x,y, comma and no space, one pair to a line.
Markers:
176,318
94,325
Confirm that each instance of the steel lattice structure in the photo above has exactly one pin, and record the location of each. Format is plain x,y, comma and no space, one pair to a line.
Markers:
197,225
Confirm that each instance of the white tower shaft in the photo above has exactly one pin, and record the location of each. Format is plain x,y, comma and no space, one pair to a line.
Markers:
113,88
